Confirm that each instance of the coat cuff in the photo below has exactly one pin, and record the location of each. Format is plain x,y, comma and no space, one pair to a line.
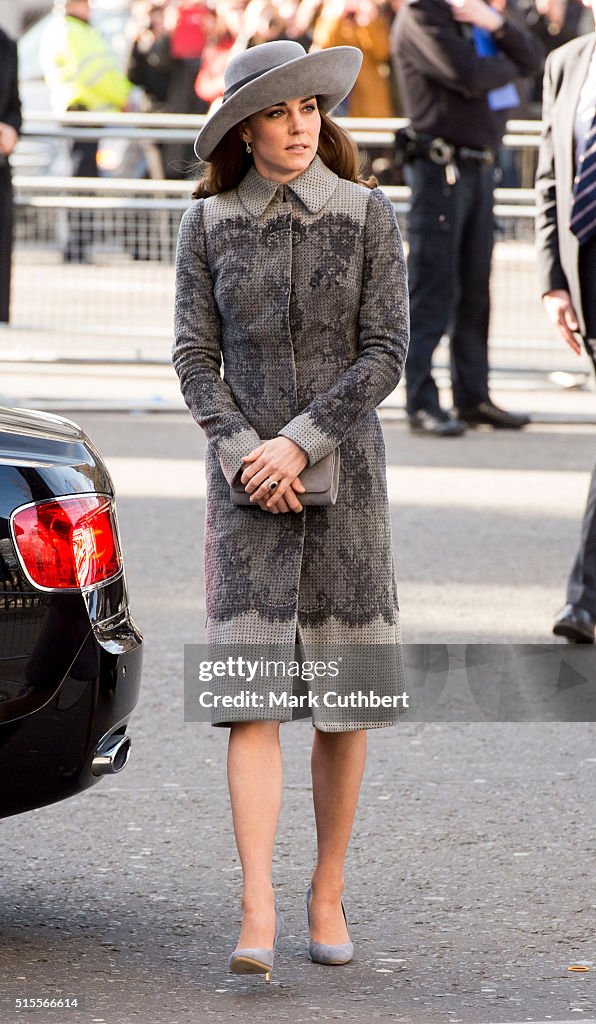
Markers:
230,451
552,278
304,432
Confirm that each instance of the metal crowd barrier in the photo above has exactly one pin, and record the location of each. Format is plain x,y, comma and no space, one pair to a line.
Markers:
119,304
184,127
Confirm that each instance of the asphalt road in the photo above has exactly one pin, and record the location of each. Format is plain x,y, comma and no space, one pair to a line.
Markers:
470,878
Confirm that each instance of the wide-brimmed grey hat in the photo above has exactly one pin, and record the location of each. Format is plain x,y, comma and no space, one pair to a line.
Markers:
271,72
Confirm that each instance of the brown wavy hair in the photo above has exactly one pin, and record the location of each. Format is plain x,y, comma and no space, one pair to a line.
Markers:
230,161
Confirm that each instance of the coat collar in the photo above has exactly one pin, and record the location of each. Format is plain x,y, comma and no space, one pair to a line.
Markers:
314,187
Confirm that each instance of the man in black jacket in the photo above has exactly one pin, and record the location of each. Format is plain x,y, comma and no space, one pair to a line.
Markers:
456,62
10,124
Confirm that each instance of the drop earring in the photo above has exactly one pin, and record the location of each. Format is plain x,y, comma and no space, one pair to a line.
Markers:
248,149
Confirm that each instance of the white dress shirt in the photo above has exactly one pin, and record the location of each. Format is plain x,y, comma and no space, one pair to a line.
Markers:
584,114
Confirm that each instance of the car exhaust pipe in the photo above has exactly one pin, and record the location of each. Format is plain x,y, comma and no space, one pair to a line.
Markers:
112,755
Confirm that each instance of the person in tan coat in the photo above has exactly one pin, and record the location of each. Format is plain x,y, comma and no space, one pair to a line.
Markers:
360,23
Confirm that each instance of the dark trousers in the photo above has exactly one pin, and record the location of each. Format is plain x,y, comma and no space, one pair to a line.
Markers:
80,226
450,233
587,279
581,588
6,233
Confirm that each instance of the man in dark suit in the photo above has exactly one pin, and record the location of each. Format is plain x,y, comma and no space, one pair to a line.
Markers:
10,124
566,242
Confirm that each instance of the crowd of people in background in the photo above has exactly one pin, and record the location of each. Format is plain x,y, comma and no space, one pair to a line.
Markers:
180,47
177,51
180,39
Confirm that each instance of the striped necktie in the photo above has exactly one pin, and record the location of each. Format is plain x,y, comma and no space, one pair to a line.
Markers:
583,209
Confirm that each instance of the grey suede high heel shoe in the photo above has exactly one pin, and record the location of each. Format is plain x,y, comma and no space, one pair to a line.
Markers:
323,952
258,959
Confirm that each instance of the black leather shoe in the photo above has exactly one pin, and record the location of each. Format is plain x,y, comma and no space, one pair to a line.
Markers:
575,624
439,424
489,414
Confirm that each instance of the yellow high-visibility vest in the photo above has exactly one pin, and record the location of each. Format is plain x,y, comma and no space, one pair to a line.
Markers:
80,69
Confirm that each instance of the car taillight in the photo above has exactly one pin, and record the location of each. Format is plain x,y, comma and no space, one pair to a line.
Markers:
68,542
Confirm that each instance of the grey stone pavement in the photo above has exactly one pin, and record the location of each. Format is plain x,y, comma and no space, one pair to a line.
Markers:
470,876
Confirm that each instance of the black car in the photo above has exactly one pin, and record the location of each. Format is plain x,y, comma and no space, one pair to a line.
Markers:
70,653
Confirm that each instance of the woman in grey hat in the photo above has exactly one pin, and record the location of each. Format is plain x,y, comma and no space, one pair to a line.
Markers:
290,269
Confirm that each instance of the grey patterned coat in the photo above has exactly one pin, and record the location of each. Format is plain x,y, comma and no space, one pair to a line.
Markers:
301,290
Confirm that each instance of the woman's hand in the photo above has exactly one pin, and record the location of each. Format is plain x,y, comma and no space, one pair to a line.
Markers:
288,502
278,459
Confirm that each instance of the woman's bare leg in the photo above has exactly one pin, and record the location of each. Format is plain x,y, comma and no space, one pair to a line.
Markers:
337,765
255,784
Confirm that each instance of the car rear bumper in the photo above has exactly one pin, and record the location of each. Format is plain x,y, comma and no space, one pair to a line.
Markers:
48,755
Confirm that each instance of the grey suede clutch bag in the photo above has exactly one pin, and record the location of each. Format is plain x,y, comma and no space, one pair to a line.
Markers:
321,481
